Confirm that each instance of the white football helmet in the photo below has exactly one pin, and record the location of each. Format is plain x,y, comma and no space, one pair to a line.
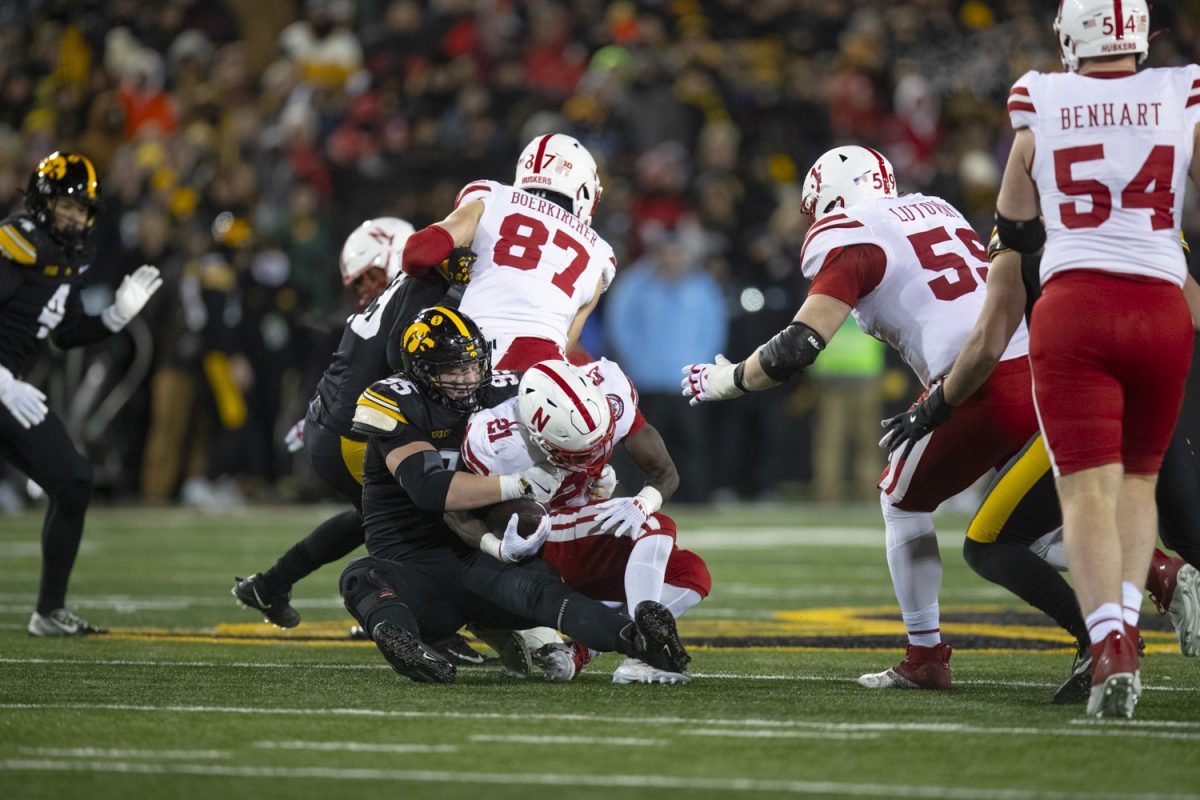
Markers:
845,177
567,415
378,243
559,163
1089,28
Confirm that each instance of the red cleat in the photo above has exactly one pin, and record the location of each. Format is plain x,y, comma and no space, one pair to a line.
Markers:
1116,682
922,668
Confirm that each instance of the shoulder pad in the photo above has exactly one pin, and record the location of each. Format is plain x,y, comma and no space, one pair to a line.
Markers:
1021,111
839,229
377,410
476,190
17,235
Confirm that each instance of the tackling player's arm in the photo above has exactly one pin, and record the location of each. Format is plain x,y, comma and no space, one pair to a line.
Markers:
999,320
846,275
469,527
795,347
649,453
419,468
431,245
1018,211
576,329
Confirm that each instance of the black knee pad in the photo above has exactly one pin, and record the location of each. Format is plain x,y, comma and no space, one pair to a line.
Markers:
365,587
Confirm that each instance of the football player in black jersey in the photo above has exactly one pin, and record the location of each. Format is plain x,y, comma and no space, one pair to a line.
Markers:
420,581
1011,540
44,254
386,300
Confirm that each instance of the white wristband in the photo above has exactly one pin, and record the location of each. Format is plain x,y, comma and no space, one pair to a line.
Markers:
651,498
112,319
488,543
510,488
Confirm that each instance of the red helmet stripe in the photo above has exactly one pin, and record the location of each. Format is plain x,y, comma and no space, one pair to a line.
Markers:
883,170
554,376
541,151
1119,22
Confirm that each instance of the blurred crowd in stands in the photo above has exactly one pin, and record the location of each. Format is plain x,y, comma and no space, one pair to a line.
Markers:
239,141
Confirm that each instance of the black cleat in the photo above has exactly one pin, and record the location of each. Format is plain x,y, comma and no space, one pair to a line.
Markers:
515,656
455,649
657,638
1078,687
411,657
252,593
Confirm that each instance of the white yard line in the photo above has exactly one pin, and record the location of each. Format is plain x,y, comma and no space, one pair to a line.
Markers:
732,676
359,747
102,752
724,733
616,741
698,784
1100,731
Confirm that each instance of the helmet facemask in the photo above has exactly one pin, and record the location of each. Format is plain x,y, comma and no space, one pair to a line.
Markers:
446,355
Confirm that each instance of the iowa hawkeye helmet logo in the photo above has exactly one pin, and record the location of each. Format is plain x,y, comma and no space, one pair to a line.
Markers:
417,337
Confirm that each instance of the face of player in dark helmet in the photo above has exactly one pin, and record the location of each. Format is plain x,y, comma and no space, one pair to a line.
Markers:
459,381
69,217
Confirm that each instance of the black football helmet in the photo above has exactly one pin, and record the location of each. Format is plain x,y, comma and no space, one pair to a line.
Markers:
63,175
438,340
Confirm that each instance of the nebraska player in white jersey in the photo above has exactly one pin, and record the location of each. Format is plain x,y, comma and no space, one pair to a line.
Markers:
618,550
541,268
1111,336
912,271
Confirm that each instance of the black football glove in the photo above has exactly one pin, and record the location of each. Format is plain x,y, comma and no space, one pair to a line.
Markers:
908,428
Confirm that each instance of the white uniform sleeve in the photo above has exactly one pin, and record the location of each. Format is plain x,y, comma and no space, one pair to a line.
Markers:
838,229
495,443
1021,98
476,190
1191,106
620,392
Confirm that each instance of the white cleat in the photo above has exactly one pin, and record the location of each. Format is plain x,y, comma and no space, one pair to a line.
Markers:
635,671
888,679
61,622
1184,611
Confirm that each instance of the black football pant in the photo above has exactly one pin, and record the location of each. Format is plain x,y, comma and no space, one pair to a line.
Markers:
432,593
333,458
1021,505
48,456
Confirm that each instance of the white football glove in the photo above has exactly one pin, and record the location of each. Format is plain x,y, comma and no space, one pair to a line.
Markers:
24,401
540,482
294,440
513,548
601,488
703,382
132,295
625,516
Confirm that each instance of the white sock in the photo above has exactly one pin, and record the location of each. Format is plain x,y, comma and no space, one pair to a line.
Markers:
646,568
679,600
1106,619
1131,601
922,626
916,567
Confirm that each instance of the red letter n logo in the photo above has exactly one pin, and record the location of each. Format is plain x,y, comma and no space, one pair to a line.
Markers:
540,420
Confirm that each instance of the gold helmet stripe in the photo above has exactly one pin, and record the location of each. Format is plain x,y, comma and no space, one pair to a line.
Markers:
91,171
456,319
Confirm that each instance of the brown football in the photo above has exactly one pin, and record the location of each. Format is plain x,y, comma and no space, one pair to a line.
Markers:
529,513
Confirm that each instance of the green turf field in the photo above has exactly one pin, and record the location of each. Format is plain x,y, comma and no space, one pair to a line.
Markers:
190,697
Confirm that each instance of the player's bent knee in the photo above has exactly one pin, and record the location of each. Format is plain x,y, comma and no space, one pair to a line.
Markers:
902,526
688,570
365,588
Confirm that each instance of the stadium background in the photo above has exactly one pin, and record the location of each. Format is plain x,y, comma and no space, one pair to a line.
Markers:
239,141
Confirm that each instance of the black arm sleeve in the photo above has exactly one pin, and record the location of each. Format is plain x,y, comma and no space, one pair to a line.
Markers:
78,327
426,479
10,280
790,350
